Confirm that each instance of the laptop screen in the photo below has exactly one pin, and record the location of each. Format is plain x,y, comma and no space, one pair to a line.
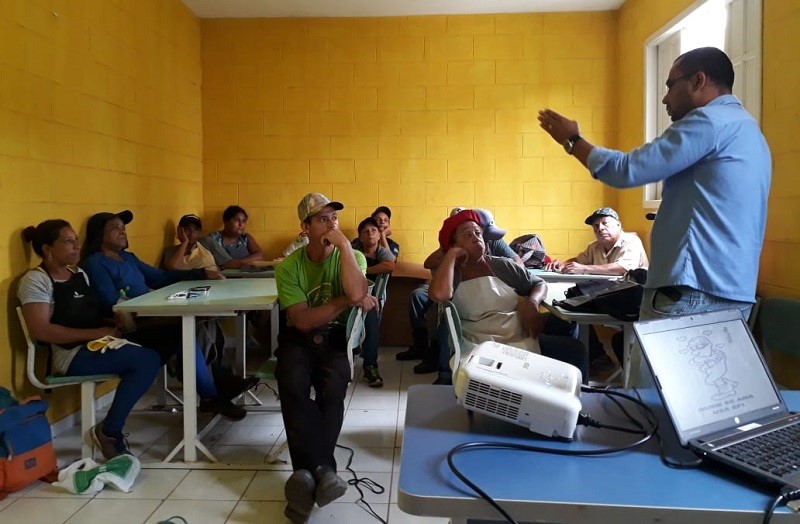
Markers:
711,374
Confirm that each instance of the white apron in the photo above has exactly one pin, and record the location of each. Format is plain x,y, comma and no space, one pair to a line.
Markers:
487,307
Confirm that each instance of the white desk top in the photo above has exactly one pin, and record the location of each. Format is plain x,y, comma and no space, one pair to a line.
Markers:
257,272
224,297
552,276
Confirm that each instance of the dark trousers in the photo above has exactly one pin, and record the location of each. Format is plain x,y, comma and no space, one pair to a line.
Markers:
312,426
137,368
372,336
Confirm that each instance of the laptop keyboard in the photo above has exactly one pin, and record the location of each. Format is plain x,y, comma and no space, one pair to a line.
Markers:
777,452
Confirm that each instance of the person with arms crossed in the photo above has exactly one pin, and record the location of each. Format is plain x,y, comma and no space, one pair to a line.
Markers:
233,238
317,287
615,252
716,169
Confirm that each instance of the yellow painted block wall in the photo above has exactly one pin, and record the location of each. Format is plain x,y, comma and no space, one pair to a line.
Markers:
780,114
99,110
421,114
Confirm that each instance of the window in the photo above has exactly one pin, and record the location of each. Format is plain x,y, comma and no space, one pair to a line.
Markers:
731,25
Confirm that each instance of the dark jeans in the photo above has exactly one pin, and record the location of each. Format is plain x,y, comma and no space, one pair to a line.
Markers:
312,426
372,335
418,305
166,339
137,368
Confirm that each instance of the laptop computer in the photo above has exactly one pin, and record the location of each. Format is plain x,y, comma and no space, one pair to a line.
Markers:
719,393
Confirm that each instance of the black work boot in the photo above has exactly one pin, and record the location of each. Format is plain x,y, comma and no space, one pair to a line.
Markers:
419,349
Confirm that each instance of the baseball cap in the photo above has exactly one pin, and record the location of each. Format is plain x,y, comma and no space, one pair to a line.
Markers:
382,209
451,224
190,220
95,227
602,212
490,230
313,203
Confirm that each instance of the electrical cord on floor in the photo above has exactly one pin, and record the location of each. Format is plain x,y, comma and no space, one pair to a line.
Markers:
365,482
583,419
261,386
786,495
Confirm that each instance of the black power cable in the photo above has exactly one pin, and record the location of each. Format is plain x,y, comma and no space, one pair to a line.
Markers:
365,482
786,495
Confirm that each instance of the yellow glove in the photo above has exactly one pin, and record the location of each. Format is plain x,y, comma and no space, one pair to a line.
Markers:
108,342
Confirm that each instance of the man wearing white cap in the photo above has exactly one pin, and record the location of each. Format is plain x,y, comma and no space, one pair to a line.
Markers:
317,287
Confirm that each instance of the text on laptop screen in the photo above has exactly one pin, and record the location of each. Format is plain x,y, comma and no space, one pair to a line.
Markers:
709,373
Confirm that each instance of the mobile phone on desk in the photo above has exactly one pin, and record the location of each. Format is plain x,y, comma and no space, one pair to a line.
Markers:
197,291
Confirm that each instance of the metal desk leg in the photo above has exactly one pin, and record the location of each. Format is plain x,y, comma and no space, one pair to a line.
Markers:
190,443
241,356
241,341
274,314
627,342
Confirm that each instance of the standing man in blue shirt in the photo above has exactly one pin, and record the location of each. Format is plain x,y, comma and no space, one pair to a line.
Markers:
716,168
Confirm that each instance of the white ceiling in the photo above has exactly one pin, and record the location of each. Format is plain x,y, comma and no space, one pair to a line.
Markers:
366,8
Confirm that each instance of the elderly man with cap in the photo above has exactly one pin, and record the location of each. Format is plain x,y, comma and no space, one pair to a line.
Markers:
486,289
194,252
317,287
615,252
116,273
382,216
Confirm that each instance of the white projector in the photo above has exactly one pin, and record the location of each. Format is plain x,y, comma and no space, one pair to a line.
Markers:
540,393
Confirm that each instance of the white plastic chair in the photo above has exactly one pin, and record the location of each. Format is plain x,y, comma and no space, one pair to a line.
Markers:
355,334
88,385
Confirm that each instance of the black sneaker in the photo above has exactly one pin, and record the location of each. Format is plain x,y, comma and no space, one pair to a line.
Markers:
426,366
443,380
223,407
233,386
372,377
109,446
412,353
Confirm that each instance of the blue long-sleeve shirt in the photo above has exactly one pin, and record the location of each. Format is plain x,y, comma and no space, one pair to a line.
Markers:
716,168
108,276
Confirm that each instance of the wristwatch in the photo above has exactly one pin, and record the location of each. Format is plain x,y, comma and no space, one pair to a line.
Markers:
569,144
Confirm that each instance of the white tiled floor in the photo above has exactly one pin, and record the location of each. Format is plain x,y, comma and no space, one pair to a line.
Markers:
373,427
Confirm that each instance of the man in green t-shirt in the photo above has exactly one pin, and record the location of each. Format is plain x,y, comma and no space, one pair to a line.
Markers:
317,287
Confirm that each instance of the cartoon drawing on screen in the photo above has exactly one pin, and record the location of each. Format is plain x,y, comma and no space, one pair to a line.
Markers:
711,360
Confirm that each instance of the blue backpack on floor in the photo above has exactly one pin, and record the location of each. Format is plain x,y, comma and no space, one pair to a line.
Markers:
26,443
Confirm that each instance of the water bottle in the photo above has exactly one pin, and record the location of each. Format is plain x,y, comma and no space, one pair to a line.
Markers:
127,322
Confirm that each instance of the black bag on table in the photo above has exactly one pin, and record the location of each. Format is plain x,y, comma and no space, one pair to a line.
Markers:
619,298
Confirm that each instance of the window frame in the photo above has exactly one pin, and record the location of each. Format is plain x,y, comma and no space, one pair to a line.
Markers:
743,44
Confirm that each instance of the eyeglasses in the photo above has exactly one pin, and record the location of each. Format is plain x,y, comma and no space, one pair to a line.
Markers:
672,81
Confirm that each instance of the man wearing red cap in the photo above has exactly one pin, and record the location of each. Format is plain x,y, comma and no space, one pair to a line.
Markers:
485,290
